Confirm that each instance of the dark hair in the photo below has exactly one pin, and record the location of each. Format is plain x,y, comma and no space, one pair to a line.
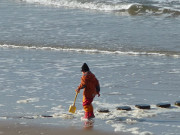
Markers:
84,68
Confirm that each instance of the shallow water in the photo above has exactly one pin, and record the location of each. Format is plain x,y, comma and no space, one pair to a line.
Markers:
37,83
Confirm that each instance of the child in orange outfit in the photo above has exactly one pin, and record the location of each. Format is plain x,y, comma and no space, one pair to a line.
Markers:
91,88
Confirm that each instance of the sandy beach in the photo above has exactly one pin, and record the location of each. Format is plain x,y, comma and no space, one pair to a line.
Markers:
13,128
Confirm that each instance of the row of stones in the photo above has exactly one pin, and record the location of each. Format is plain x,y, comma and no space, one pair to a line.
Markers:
140,106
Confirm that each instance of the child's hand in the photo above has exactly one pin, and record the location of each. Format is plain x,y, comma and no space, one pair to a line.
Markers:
77,90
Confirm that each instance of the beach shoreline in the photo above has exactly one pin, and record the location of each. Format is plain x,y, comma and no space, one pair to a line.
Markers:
15,128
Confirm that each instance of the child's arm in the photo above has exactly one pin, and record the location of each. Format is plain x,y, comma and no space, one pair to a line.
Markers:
82,85
97,88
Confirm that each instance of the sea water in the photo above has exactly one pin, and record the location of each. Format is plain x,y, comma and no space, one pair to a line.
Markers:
131,46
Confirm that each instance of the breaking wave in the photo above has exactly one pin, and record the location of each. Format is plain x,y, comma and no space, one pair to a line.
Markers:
118,6
95,51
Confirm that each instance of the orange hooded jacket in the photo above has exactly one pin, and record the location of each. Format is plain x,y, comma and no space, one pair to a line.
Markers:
90,85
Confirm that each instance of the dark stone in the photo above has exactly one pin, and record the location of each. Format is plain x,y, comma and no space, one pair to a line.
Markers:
143,106
127,108
24,117
177,103
163,105
103,110
46,116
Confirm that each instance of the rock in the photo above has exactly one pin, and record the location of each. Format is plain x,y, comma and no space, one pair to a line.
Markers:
163,105
103,110
177,103
143,106
127,108
46,116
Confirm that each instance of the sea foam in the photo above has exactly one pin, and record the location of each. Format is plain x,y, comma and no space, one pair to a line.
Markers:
128,7
82,50
29,100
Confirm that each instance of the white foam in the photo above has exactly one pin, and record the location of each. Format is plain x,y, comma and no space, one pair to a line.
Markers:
155,83
63,115
107,6
3,118
122,121
1,105
29,100
101,6
134,130
140,113
57,108
58,112
174,71
115,93
44,106
80,50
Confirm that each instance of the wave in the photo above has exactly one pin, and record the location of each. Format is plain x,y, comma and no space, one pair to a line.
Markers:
151,10
117,6
96,51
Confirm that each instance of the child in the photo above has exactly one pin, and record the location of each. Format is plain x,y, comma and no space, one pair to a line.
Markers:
91,88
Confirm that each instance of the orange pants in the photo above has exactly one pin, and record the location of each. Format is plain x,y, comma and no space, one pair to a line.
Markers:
88,108
87,104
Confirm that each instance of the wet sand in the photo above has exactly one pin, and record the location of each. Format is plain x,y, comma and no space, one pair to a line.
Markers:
12,128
